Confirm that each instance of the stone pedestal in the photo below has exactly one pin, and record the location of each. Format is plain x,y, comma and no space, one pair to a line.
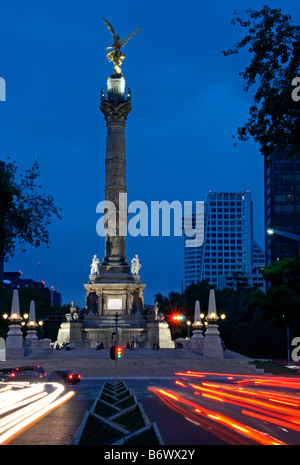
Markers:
158,332
212,346
197,340
14,343
70,332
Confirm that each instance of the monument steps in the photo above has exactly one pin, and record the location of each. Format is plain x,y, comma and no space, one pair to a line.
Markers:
130,354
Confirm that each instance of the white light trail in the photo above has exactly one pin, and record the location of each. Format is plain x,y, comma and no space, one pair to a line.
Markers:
28,405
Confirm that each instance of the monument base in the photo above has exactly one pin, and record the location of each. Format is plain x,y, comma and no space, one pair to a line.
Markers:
70,332
14,343
158,332
114,292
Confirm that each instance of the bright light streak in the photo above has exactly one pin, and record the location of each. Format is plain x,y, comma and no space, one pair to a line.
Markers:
29,405
179,383
276,407
7,437
257,436
275,421
168,394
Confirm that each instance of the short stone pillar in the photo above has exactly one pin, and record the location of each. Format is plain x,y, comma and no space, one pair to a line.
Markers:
212,342
14,340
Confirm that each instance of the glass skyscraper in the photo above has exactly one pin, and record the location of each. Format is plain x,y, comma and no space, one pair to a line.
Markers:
228,247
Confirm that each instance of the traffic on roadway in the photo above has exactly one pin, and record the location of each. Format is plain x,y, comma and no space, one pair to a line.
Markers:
27,394
240,410
193,408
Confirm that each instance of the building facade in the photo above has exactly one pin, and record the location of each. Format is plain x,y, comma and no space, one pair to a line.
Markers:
282,204
228,248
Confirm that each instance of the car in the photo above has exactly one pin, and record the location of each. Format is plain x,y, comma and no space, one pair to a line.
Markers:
23,374
36,368
6,374
64,376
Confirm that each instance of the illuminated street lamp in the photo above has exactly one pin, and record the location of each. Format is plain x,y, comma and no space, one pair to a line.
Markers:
294,237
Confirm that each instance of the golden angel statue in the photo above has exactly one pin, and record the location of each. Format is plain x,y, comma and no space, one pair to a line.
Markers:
116,55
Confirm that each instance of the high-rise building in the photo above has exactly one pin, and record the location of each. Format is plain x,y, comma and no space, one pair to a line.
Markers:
192,255
228,249
282,204
228,237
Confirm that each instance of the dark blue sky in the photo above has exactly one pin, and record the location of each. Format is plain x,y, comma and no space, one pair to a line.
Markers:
187,103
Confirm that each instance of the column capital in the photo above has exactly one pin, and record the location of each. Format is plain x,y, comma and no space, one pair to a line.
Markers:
115,110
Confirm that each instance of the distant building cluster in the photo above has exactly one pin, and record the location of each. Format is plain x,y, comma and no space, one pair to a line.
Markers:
13,280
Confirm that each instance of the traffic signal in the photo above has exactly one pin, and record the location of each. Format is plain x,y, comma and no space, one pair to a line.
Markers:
113,352
177,317
119,352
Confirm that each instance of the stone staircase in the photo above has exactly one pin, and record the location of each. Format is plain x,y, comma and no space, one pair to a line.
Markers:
137,363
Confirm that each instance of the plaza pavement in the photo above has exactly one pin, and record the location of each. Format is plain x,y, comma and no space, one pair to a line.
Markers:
136,363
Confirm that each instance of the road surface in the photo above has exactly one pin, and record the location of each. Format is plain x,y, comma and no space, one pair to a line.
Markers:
191,409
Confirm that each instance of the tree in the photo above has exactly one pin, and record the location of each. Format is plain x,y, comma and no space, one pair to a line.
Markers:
25,212
274,43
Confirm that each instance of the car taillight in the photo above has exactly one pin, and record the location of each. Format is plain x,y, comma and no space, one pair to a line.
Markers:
70,376
13,375
79,376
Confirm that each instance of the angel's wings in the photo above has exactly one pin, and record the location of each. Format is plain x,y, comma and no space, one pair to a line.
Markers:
111,29
127,38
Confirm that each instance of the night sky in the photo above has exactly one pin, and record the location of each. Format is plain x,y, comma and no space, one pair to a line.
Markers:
187,101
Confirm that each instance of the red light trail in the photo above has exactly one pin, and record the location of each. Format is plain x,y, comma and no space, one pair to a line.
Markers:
256,416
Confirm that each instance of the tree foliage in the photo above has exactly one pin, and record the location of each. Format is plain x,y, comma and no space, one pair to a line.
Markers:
43,309
256,322
25,211
274,44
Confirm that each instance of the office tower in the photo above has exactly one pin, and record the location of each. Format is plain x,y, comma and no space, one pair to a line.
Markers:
192,255
228,247
228,237
282,204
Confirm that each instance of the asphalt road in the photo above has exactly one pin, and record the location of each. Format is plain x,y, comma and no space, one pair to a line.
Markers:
222,415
